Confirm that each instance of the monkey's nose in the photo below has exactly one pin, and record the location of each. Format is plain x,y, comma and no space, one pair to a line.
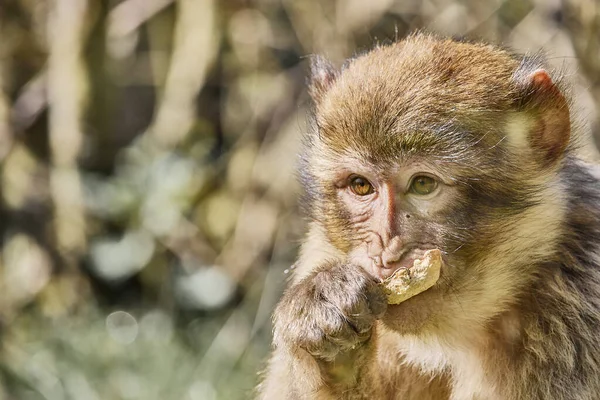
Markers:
392,252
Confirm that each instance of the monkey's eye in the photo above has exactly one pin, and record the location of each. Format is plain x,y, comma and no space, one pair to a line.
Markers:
423,185
360,186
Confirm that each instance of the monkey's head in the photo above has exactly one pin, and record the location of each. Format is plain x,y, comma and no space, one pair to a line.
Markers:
431,143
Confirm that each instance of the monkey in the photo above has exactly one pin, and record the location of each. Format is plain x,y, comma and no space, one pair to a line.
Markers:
469,148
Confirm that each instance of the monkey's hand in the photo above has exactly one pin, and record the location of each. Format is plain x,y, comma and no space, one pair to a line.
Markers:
330,311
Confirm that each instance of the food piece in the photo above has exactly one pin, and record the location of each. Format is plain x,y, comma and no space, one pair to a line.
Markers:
408,282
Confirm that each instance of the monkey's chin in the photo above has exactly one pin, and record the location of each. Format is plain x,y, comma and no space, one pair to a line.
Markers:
419,314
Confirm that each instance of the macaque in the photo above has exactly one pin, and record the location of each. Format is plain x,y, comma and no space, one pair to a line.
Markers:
430,143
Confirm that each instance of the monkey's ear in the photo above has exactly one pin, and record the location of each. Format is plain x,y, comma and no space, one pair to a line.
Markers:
322,76
549,135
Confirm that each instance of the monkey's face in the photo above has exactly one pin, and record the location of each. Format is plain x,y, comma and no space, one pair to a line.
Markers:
419,148
487,216
386,219
385,212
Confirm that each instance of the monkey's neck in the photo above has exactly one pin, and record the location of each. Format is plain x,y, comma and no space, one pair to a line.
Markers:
464,361
504,359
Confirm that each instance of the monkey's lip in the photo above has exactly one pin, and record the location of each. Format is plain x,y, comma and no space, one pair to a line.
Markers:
405,261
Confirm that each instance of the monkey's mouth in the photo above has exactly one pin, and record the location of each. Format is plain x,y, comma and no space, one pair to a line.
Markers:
386,265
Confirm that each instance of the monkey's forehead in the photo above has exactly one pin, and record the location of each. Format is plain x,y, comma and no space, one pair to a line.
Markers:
417,95
456,153
423,70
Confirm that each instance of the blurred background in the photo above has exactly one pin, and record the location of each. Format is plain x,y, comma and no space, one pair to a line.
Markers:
148,199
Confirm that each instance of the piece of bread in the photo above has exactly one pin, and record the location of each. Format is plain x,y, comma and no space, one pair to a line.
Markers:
406,283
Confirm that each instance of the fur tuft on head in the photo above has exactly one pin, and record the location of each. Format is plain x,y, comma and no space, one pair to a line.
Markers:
322,76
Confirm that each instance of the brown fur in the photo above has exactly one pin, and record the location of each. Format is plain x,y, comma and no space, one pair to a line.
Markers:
516,313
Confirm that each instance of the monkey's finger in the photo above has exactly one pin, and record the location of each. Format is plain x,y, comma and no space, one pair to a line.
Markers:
322,347
377,300
344,331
